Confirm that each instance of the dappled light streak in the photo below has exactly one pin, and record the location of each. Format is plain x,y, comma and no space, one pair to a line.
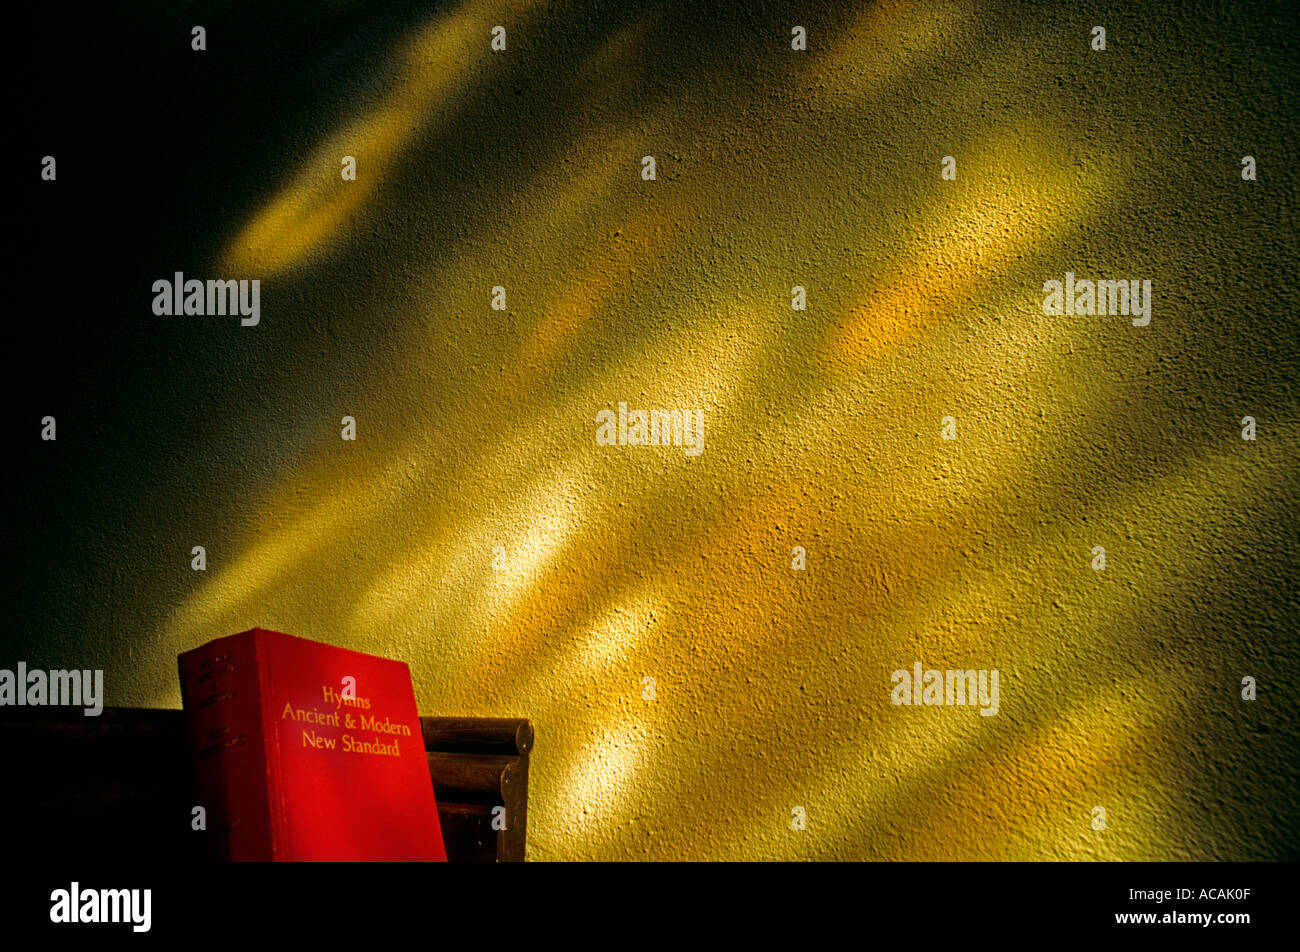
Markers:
886,41
316,204
1000,214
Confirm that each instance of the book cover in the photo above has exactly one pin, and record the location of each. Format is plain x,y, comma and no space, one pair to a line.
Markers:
307,752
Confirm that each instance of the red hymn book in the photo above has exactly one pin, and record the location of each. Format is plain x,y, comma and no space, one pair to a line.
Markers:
304,751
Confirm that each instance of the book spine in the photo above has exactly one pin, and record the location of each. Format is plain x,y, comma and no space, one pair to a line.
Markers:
277,809
220,690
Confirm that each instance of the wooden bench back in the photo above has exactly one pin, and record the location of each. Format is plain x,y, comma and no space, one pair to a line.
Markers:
120,784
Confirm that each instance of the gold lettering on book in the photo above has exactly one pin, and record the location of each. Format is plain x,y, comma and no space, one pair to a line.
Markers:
350,743
384,727
312,739
354,746
333,697
314,716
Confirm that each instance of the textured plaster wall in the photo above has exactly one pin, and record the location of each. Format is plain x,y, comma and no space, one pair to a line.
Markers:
476,428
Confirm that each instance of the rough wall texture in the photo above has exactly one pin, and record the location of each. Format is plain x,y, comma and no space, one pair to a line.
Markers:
476,428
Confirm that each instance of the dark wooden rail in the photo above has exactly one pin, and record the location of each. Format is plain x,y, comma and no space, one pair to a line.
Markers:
120,784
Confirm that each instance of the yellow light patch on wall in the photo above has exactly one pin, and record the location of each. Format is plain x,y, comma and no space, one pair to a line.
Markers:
312,207
1009,201
886,42
604,270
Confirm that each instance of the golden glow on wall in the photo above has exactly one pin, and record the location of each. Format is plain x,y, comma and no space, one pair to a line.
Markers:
967,240
317,202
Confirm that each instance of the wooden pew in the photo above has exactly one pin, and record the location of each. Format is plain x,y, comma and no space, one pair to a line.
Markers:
120,784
